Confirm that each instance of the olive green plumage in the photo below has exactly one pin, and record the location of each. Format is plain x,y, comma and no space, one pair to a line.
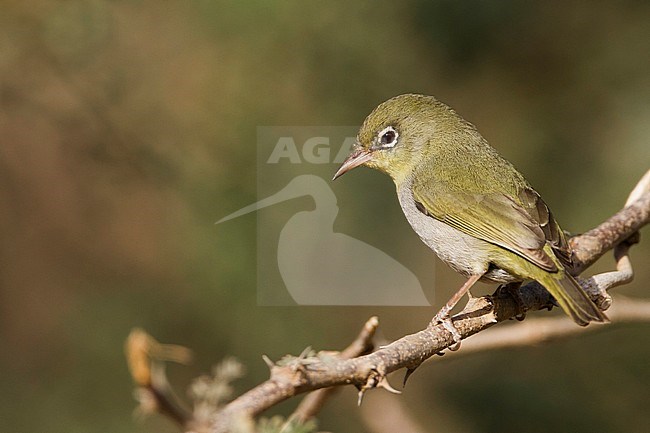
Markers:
467,203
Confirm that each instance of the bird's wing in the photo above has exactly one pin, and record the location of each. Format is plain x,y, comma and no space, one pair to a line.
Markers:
521,224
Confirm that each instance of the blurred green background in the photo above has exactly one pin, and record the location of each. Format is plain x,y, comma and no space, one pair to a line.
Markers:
128,127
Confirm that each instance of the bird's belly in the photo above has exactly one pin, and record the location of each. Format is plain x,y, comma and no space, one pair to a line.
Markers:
465,254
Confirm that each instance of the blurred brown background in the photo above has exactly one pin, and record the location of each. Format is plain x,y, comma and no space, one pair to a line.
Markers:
128,127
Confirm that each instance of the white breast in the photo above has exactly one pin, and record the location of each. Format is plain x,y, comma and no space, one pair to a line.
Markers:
463,253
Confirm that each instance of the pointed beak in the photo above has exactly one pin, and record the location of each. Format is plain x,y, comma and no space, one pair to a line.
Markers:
356,158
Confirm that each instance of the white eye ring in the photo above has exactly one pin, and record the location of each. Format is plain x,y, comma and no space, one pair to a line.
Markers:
387,138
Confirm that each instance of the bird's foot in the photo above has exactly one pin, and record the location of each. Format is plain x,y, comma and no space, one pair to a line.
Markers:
512,289
444,319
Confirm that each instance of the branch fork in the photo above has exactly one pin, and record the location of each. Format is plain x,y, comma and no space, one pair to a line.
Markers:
366,369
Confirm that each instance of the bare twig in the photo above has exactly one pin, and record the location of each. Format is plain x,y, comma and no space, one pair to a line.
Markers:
589,246
410,351
313,402
387,414
537,331
146,357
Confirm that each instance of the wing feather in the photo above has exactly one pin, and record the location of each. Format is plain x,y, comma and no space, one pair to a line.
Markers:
521,224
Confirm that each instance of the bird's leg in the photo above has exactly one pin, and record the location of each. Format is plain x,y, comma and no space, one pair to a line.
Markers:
443,315
444,311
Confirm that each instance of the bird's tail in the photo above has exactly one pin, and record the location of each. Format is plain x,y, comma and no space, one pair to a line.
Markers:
573,300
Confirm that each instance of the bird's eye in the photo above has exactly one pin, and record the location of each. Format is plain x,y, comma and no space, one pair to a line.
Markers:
388,138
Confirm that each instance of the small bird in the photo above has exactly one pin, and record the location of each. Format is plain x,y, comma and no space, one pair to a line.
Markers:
467,203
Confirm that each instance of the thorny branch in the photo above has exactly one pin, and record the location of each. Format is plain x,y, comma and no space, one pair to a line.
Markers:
313,402
327,370
542,330
368,371
386,414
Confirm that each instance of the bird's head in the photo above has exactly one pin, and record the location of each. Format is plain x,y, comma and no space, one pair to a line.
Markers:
400,133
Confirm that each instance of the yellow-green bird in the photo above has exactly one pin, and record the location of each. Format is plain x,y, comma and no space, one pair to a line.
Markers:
467,203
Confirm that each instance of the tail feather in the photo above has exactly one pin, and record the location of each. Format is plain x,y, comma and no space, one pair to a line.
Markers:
573,300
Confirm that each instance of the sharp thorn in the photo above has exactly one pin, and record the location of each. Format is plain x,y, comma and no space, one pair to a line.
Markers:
360,398
305,353
270,364
409,372
383,383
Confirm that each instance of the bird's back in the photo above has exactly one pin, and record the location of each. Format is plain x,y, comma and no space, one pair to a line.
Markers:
465,183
